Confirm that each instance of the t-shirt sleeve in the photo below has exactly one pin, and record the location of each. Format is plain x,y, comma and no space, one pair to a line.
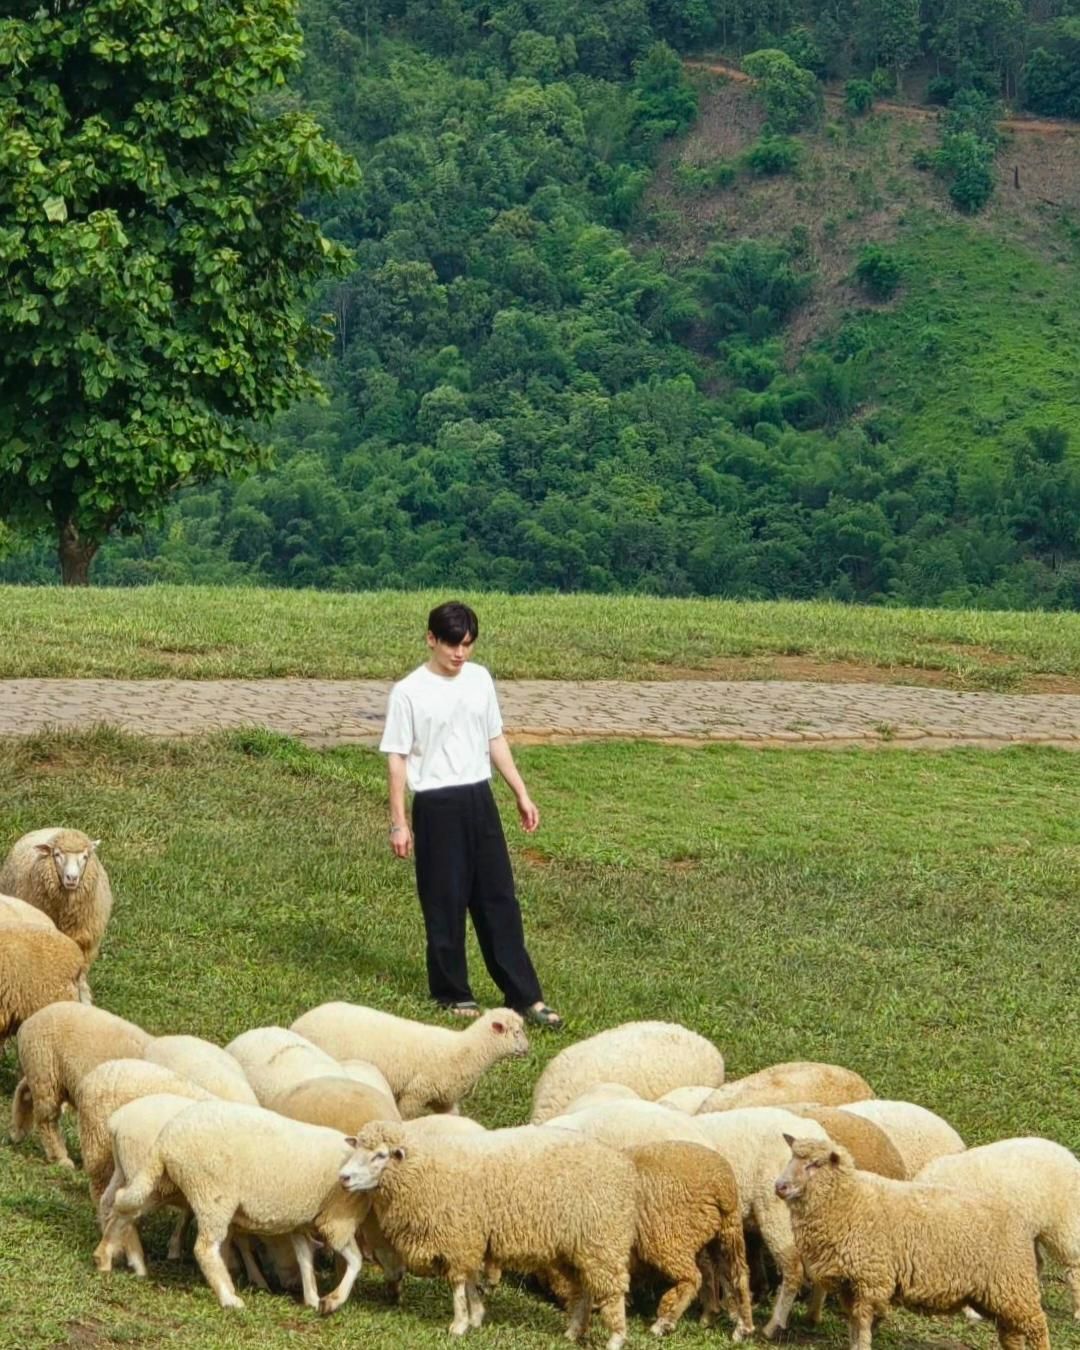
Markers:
494,716
397,737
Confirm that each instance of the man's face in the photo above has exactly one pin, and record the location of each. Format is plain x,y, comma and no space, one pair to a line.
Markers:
447,658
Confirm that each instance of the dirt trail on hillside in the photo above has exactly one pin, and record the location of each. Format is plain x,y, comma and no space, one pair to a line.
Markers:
1036,126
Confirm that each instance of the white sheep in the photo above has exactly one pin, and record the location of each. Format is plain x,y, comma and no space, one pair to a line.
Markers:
58,871
338,1102
752,1140
877,1242
798,1081
246,1166
109,1086
275,1060
38,966
650,1057
429,1069
522,1199
686,1099
601,1095
204,1063
58,1047
918,1135
1038,1179
620,1124
15,912
868,1144
363,1071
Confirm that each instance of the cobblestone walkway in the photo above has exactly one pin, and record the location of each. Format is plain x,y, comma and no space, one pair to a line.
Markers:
761,712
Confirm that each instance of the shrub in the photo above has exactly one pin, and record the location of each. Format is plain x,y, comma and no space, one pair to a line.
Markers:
774,155
698,179
878,271
792,95
858,96
941,90
883,82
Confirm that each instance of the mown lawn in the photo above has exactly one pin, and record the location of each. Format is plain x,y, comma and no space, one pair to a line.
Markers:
912,916
197,632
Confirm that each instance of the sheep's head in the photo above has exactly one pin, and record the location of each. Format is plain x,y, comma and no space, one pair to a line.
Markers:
378,1146
70,851
809,1159
504,1030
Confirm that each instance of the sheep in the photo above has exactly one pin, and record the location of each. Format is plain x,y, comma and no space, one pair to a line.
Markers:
524,1199
799,1081
109,1086
275,1060
429,1068
1040,1182
600,1095
58,871
58,1047
935,1249
751,1139
686,1099
133,1129
244,1165
339,1103
867,1143
426,1129
204,1063
38,966
15,913
363,1071
918,1135
650,1057
620,1124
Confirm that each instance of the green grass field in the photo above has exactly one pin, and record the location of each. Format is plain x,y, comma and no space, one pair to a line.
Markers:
205,633
912,916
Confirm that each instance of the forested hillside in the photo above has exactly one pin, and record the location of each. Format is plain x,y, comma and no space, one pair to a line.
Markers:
615,324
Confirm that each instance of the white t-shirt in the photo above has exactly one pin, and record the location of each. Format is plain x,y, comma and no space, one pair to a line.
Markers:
445,725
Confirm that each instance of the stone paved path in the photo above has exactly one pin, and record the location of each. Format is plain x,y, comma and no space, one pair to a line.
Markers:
756,712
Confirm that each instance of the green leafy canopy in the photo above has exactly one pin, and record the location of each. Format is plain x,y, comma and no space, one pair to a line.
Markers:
154,257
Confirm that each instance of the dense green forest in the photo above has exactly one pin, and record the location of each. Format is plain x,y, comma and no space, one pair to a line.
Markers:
534,386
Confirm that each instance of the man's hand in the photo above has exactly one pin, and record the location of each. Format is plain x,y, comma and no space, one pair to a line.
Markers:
401,840
529,813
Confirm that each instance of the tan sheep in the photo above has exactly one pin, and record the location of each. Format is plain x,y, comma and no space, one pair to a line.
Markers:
867,1143
918,1135
519,1199
58,1047
15,912
799,1081
58,872
38,966
877,1242
338,1103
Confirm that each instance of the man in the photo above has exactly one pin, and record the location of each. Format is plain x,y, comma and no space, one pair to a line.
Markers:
443,733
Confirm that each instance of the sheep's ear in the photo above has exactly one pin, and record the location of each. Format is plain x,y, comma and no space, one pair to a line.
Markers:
498,1028
44,848
351,1141
398,1154
789,1139
834,1159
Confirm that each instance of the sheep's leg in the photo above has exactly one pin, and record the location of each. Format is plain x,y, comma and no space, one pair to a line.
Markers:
791,1275
727,1252
1072,1279
460,1325
580,1305
22,1112
475,1302
305,1259
85,995
242,1242
108,1195
1033,1330
613,1315
176,1237
815,1304
861,1325
350,1254
120,1235
373,1242
215,1271
677,1299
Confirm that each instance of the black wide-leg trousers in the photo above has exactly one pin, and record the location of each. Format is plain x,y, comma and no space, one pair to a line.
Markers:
463,867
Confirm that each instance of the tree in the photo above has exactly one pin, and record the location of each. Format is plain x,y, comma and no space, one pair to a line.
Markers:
153,254
889,32
792,95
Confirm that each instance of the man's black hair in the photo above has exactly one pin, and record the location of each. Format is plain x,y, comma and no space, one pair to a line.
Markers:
453,622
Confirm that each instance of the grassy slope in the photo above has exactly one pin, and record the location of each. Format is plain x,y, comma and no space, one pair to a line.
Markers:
730,890
980,341
201,632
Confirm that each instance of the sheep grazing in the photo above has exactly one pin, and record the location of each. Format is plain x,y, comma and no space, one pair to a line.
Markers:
751,1140
58,1047
650,1057
363,1071
620,1124
917,1134
339,1103
58,872
429,1069
600,1095
38,966
109,1086
247,1166
275,1060
1040,1182
519,1199
204,1063
935,1249
16,913
800,1081
686,1099
867,1143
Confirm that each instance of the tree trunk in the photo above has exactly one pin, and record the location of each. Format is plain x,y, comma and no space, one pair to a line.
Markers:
76,554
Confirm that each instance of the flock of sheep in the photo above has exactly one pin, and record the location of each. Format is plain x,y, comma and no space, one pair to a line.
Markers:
343,1133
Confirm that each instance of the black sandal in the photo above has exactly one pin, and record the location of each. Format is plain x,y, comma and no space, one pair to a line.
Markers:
467,1008
543,1017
